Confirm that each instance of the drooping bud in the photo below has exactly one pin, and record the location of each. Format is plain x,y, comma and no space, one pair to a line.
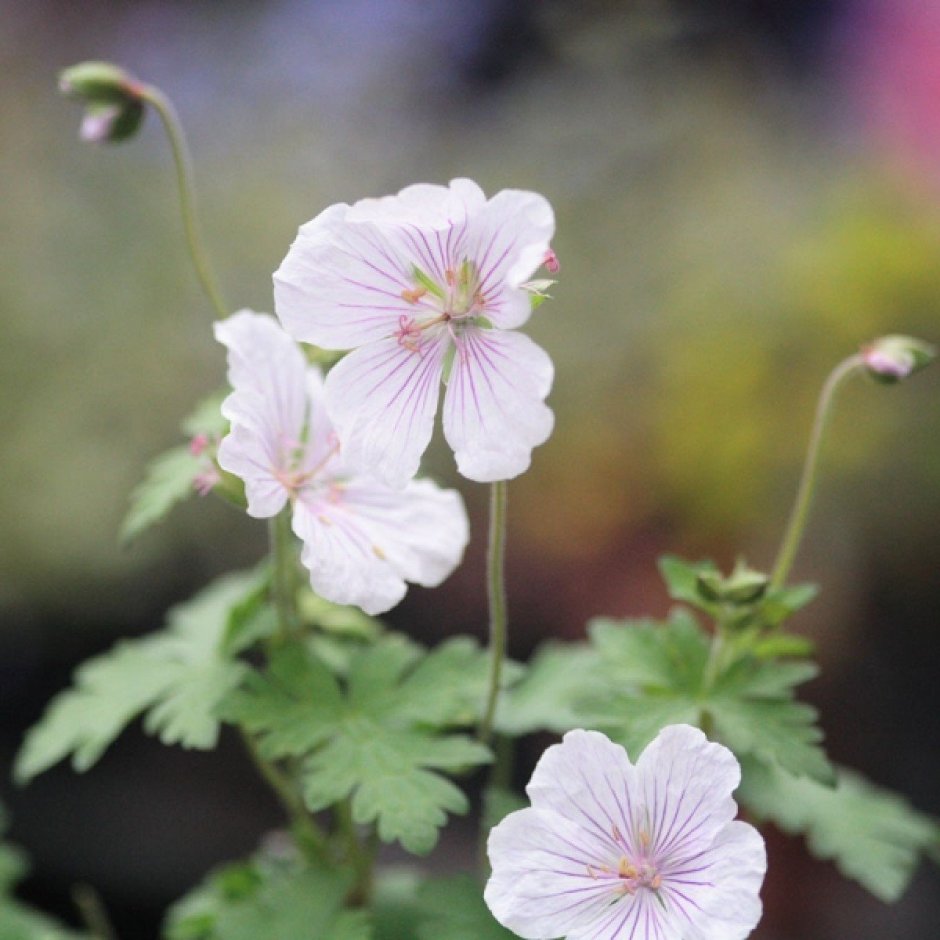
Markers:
892,358
113,98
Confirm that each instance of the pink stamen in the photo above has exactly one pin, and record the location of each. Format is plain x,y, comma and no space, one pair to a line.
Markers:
198,444
408,334
551,262
206,480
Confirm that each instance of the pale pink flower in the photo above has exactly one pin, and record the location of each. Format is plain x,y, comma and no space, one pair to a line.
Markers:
362,540
425,285
610,850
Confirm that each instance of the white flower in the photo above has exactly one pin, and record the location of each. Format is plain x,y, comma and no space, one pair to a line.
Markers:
419,285
361,539
613,851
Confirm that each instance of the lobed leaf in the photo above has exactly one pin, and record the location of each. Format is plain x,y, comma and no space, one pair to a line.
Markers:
873,836
378,740
177,676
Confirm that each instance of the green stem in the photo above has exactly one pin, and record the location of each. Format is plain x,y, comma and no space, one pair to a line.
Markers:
361,855
93,913
283,578
804,495
309,835
496,592
187,190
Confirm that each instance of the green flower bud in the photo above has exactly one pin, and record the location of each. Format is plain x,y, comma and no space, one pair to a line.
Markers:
115,104
743,586
890,359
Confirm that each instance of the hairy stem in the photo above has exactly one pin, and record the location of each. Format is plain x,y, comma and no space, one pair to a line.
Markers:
308,834
804,494
496,593
187,191
283,578
92,911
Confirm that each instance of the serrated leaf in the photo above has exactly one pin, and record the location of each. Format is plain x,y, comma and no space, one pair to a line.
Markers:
454,909
379,739
167,481
654,674
273,898
754,712
544,699
179,674
873,835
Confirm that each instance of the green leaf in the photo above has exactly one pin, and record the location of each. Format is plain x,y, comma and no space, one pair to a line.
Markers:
653,674
781,603
454,909
754,712
379,740
783,645
346,621
498,803
179,674
207,417
277,898
168,481
873,836
545,698
681,579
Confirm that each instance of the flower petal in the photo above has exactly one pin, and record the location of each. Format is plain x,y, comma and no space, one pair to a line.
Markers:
494,410
267,372
382,398
588,780
508,241
425,205
731,899
363,540
686,783
544,882
253,457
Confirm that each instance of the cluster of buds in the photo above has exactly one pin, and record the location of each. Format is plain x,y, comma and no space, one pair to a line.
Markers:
743,586
114,100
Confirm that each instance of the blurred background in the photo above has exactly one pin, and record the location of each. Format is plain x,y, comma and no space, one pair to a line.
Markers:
746,191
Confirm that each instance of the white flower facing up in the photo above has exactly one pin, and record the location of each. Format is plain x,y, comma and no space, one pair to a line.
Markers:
428,284
362,540
610,850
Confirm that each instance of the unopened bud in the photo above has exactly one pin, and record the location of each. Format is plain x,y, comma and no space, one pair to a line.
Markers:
114,100
743,586
551,262
890,359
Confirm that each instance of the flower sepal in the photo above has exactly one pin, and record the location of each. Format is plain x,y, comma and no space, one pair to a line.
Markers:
890,359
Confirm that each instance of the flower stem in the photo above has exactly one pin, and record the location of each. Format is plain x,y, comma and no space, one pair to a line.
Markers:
308,834
360,854
187,190
283,584
804,494
496,592
93,913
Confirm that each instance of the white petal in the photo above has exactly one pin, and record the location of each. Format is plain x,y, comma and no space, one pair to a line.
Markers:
343,283
382,399
686,783
725,903
364,540
253,456
494,410
590,781
267,372
545,882
343,566
508,240
421,531
424,205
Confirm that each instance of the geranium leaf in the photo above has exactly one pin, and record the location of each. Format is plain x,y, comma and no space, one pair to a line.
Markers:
872,835
380,737
167,481
179,675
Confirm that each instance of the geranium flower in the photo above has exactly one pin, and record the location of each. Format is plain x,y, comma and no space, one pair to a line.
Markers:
362,540
427,284
613,851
